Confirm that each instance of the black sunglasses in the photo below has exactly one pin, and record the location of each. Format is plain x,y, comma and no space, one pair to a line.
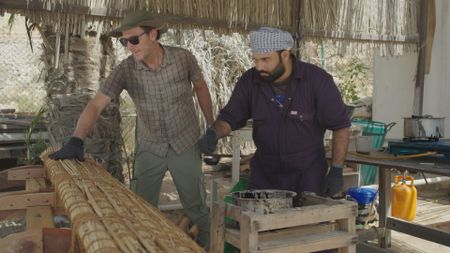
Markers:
134,40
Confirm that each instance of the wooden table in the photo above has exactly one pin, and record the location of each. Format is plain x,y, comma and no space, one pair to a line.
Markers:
434,165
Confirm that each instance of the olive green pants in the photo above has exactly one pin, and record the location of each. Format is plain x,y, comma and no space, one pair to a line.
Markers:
185,169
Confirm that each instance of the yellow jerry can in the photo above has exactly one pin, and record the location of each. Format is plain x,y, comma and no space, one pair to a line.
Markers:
404,198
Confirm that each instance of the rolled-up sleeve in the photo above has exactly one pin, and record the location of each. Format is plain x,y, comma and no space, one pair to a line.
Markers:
195,73
114,83
330,107
238,109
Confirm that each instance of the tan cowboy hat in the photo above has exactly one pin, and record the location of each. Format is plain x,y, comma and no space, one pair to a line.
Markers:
139,18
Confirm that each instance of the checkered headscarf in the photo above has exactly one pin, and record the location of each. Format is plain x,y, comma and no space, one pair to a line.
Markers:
267,39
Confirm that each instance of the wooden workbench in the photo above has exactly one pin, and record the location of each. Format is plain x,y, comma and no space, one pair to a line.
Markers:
433,165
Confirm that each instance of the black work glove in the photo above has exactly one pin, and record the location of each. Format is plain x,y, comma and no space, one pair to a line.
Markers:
207,144
73,149
334,181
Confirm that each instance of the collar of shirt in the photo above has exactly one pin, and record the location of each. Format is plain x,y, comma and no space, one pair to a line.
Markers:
168,59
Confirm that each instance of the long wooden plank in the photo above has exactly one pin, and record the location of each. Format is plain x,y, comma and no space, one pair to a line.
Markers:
39,217
4,194
303,216
25,172
233,235
22,201
309,243
421,231
359,36
297,231
433,164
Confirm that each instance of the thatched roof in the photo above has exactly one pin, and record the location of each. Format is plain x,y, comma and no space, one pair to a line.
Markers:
385,21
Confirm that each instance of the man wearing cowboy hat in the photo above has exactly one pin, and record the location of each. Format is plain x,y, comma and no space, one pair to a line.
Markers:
160,80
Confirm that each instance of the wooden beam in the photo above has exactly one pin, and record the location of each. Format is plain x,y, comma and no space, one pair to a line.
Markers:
431,27
421,231
366,37
25,172
420,73
316,213
39,217
22,201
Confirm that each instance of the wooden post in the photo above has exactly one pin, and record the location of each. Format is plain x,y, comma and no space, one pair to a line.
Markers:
348,225
249,234
420,74
217,227
385,204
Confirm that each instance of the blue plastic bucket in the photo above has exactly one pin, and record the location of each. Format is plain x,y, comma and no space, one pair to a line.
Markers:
363,196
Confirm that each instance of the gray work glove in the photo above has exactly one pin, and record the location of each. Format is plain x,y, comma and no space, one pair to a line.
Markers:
73,149
334,181
207,144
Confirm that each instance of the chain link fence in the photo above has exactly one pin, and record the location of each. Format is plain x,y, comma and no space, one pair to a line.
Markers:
22,83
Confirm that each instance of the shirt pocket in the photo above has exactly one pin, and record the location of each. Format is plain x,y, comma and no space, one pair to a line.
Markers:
300,117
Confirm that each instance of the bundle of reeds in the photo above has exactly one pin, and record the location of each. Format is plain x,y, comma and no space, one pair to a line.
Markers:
106,216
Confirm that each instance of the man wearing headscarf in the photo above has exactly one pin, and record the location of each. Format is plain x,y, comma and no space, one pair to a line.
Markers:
291,103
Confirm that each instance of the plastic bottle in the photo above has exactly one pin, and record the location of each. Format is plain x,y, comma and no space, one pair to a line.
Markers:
404,198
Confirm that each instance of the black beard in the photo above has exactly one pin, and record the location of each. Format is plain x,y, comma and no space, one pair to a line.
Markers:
277,73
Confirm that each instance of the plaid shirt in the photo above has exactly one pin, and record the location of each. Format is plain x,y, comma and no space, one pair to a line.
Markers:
163,99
